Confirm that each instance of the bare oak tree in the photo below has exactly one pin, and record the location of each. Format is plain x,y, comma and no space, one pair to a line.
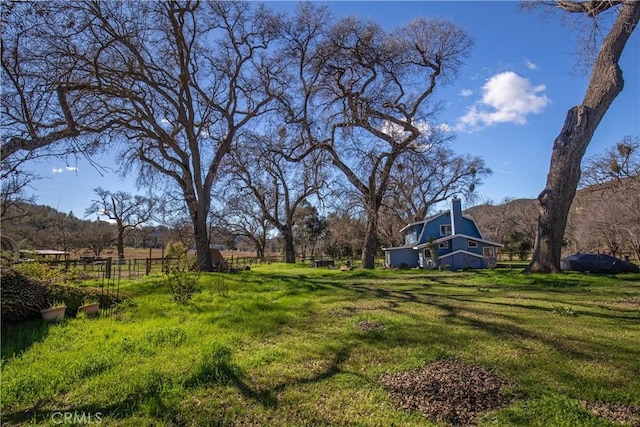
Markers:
612,181
39,97
243,217
279,187
128,211
366,96
423,181
605,84
175,81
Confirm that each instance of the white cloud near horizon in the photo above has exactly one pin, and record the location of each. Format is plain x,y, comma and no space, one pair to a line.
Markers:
530,65
57,170
507,98
466,92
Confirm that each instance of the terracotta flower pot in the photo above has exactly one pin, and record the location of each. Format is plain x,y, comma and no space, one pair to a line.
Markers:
89,308
53,314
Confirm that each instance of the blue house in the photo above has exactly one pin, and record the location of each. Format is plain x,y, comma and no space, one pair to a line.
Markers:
449,238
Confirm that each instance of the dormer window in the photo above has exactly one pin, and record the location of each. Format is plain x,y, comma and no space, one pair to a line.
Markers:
411,238
445,229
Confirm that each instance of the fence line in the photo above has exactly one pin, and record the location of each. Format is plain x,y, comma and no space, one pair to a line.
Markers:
85,268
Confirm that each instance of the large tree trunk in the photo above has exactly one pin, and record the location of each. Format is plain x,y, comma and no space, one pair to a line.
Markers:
201,236
289,248
569,147
120,244
370,246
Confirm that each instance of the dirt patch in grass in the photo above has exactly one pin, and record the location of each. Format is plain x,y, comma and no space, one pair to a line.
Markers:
633,302
369,325
615,412
448,391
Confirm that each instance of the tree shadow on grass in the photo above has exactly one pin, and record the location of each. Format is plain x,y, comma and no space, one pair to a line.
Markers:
19,337
149,397
217,368
458,310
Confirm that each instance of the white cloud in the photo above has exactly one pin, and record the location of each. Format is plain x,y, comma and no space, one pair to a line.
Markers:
66,168
466,92
507,98
425,129
530,65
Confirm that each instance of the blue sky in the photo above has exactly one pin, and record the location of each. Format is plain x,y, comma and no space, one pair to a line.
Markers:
507,105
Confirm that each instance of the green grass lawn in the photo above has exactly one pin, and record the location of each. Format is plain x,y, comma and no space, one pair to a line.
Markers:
280,345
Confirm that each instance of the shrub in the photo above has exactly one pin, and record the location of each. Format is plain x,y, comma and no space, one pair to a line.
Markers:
564,311
180,277
37,271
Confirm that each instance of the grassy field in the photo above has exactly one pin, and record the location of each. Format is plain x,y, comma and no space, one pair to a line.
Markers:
295,346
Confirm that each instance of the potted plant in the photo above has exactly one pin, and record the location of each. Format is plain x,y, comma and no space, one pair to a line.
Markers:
55,313
90,306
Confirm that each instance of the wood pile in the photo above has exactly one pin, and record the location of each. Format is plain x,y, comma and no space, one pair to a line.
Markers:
23,297
448,391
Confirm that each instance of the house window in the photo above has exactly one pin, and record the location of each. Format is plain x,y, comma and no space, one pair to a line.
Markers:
489,252
445,229
443,245
472,244
411,238
427,253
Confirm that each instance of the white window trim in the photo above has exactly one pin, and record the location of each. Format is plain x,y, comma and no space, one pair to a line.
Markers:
443,230
472,244
444,245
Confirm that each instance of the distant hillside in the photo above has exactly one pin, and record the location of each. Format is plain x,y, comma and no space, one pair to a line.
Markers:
603,218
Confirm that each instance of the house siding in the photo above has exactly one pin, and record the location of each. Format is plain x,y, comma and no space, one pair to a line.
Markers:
432,228
397,256
469,228
461,261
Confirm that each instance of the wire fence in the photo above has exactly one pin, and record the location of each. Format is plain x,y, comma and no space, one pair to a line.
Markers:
108,268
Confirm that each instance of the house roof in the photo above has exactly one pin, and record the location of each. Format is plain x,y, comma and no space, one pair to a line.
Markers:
43,252
424,221
431,218
451,236
398,247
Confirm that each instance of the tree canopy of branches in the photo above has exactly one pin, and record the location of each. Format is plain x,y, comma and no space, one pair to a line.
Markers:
615,164
177,81
277,186
612,182
180,85
366,96
128,211
40,101
605,84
